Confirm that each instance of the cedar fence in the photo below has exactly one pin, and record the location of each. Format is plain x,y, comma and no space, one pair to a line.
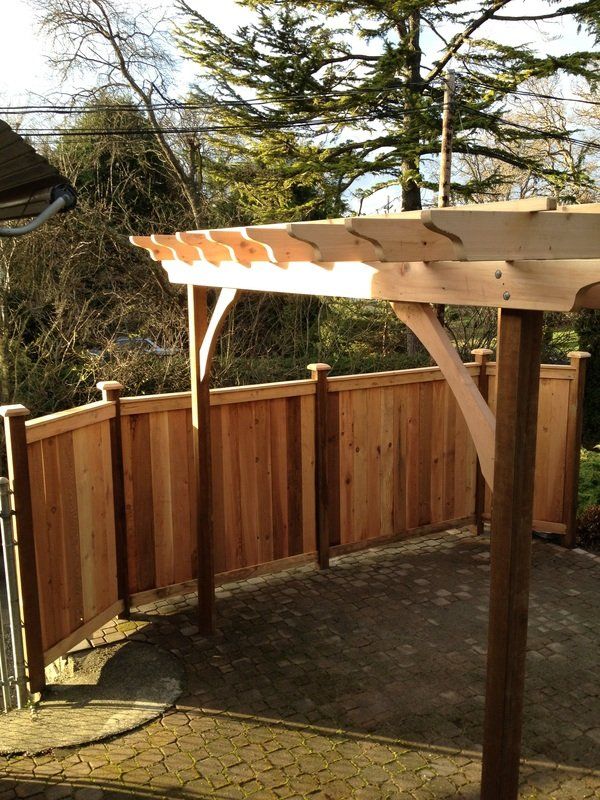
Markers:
104,494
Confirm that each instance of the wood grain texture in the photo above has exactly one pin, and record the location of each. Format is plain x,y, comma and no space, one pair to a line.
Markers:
28,557
553,493
548,260
520,336
73,511
422,320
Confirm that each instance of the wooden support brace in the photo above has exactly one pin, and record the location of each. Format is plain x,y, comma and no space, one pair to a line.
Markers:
423,322
203,335
226,300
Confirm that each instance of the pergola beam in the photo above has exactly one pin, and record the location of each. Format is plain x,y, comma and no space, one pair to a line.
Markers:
534,285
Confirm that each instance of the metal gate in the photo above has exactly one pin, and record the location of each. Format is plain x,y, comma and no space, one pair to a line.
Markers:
13,686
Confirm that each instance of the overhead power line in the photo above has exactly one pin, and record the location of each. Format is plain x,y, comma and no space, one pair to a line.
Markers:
175,105
528,129
258,126
528,93
178,105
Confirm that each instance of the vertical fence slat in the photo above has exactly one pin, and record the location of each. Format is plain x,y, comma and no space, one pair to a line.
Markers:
18,474
278,446
219,489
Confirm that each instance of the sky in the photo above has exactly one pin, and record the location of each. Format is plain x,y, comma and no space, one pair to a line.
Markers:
23,50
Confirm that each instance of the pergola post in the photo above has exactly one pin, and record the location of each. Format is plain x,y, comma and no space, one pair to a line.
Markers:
518,373
198,326
27,576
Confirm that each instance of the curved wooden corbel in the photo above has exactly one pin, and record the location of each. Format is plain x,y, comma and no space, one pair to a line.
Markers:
225,301
421,319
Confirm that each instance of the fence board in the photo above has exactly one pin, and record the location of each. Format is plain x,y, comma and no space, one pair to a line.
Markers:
279,496
553,415
72,503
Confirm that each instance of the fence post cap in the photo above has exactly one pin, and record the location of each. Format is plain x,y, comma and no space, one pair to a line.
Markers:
16,410
109,386
319,367
579,354
482,351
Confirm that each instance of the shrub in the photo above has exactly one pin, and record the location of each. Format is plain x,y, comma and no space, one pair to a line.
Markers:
589,479
588,528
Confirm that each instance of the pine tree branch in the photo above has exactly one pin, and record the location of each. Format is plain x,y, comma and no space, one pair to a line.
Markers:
457,41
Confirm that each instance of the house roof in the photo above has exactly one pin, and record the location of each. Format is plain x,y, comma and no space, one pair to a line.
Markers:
26,178
525,254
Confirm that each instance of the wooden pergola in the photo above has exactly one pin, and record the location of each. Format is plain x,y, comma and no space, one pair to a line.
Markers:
523,257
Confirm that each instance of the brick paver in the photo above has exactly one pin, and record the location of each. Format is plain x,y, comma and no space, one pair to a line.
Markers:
363,682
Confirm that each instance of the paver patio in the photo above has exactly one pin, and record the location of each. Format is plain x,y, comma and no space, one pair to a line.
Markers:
365,682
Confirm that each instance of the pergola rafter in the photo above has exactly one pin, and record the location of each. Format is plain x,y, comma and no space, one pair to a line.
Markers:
524,257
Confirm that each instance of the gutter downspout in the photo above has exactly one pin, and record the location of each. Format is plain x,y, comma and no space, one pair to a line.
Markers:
65,198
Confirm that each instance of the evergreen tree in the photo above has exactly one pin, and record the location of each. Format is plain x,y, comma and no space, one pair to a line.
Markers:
360,82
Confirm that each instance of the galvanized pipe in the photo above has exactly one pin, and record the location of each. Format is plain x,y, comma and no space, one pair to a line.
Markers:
12,593
4,676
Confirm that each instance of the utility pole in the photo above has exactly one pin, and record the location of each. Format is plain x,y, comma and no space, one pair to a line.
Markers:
446,156
447,132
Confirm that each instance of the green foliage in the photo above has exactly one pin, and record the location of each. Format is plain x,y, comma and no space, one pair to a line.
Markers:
589,479
587,325
588,528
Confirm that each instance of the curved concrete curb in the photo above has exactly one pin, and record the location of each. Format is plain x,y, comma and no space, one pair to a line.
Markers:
102,692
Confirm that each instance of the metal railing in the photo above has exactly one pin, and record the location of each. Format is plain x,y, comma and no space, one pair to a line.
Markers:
13,681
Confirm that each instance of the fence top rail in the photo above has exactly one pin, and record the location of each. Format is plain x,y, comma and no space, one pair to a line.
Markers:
376,380
564,372
74,418
70,420
145,404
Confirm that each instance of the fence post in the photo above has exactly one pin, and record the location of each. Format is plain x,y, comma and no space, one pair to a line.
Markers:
319,373
578,361
482,356
18,474
111,392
